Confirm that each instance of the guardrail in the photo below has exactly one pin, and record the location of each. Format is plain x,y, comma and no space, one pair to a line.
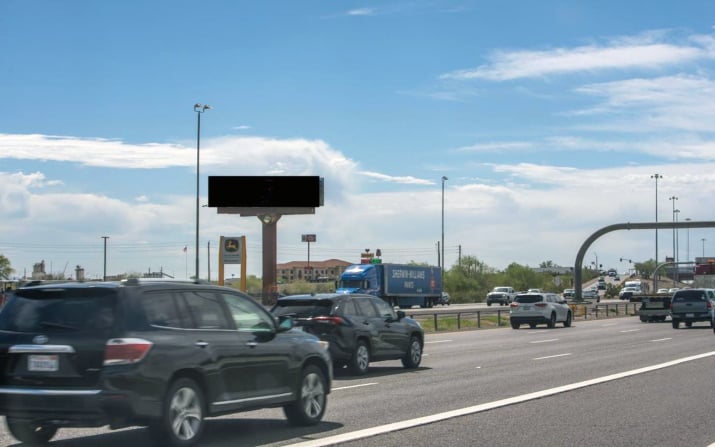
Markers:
489,318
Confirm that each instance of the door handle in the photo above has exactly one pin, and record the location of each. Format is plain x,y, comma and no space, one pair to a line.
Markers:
251,344
201,344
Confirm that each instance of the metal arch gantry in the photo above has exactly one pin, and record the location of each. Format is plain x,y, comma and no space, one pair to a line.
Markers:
626,226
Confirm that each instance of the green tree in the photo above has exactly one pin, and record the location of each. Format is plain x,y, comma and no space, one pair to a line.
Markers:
645,269
5,268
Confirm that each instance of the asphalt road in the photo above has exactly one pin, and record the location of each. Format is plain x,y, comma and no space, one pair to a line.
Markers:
541,387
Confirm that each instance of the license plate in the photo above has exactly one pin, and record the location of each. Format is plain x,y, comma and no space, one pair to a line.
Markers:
526,307
689,315
43,363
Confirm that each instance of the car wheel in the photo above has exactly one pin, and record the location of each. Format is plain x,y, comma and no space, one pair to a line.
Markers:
309,406
515,325
567,322
30,432
182,419
688,324
360,361
532,325
676,324
489,303
552,320
413,356
643,318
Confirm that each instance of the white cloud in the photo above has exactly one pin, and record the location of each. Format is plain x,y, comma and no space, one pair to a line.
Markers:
406,180
361,12
645,51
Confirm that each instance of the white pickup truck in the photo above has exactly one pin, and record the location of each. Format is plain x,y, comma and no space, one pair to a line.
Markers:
503,295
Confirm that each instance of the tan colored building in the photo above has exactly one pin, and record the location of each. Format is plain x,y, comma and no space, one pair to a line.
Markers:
318,271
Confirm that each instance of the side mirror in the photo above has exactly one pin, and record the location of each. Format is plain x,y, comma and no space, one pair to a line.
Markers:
401,314
285,323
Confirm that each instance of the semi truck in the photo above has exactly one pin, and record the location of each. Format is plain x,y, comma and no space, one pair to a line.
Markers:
399,284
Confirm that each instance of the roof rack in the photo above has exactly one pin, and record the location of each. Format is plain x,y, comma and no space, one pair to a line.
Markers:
137,281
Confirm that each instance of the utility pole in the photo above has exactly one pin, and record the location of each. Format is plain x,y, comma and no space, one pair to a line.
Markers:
104,277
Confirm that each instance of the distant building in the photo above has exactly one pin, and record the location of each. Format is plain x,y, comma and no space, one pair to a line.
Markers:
317,271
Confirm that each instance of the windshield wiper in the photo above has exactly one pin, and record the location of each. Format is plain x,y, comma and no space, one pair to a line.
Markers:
58,325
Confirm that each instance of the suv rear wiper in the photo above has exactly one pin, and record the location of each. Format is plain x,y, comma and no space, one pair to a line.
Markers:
58,325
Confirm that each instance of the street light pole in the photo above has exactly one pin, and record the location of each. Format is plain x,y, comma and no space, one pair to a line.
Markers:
703,239
444,179
199,109
673,199
104,277
656,177
687,251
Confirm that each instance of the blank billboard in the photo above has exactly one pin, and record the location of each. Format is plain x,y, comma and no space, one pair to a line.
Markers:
265,191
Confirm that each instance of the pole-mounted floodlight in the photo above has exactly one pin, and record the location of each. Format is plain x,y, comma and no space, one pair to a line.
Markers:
444,179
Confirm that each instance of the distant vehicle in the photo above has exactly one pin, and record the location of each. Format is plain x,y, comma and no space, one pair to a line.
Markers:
591,293
673,289
402,285
612,272
692,305
359,328
444,299
628,293
568,293
502,295
160,354
534,291
662,291
539,308
616,278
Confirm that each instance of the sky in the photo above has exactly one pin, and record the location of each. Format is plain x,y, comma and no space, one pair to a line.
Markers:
549,120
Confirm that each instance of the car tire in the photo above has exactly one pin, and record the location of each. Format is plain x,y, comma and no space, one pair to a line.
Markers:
552,321
29,432
182,420
360,361
688,324
489,304
676,323
413,356
515,325
567,322
532,325
311,398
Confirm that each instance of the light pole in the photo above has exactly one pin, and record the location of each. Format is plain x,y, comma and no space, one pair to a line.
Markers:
677,246
656,177
199,109
673,199
444,179
104,277
703,239
687,236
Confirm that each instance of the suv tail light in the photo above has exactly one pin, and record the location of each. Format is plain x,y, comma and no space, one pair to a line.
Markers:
337,321
124,351
514,305
540,304
709,304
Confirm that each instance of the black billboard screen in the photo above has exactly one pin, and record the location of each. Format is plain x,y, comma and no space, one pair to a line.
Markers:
265,191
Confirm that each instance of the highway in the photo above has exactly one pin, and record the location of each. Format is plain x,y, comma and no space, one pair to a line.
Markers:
589,385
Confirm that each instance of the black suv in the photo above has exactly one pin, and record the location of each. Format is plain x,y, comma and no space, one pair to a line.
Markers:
359,328
151,353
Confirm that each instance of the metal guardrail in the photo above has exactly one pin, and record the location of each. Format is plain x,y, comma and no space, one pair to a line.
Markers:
478,319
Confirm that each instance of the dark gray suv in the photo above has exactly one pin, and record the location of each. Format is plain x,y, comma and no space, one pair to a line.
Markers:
359,328
152,353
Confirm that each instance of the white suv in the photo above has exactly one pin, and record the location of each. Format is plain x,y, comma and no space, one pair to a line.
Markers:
539,308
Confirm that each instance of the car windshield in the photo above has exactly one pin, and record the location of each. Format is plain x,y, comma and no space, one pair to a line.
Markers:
58,310
302,308
525,299
501,289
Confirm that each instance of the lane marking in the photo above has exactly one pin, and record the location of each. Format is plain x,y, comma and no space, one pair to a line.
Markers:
609,324
544,341
663,339
552,356
629,330
395,426
353,386
437,341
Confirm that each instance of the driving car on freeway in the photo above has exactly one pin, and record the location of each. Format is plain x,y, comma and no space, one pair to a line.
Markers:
162,354
360,328
539,308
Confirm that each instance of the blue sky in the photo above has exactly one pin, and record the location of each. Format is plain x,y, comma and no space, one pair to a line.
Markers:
548,118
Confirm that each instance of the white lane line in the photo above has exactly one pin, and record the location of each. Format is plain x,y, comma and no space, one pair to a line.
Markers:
552,356
544,341
353,386
608,324
663,339
630,330
437,341
395,426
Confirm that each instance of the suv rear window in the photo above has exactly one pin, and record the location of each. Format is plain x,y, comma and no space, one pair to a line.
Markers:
303,308
689,295
529,299
59,310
